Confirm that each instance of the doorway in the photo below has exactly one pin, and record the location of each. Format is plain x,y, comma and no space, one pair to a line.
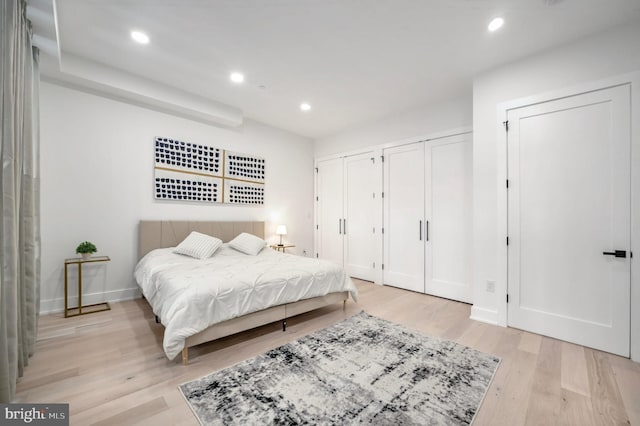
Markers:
569,218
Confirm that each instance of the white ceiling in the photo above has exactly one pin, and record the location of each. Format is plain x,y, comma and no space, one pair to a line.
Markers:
354,61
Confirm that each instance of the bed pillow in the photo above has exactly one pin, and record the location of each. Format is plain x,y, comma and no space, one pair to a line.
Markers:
198,245
248,244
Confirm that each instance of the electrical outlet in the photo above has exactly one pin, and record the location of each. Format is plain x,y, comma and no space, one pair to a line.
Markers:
491,286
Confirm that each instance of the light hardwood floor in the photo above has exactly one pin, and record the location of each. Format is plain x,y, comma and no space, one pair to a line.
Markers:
111,369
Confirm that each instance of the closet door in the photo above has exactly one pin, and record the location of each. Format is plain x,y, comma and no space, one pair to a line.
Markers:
361,210
329,210
404,217
448,205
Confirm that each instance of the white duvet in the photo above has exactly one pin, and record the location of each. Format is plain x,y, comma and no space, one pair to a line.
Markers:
190,295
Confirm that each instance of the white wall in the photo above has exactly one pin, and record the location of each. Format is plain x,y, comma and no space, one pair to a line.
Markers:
427,120
597,57
97,184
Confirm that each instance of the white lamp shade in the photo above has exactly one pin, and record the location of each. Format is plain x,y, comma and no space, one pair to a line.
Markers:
281,230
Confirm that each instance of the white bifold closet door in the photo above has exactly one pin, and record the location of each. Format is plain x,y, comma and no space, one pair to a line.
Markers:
329,181
347,212
569,213
361,212
404,221
428,217
448,217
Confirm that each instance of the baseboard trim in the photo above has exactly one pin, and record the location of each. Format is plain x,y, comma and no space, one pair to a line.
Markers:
484,315
51,306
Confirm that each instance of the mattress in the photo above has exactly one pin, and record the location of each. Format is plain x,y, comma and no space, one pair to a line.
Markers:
190,295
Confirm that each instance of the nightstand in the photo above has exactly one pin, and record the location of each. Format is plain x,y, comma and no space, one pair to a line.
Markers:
89,309
281,248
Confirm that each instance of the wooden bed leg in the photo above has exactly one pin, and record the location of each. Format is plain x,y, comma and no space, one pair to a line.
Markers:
344,305
284,325
185,355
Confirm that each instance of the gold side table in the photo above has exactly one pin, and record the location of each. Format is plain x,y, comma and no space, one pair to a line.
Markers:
96,307
282,247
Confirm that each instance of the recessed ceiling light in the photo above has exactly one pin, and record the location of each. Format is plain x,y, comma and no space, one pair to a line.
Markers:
236,77
495,24
305,106
140,37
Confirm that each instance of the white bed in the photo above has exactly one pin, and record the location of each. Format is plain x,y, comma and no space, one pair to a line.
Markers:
194,297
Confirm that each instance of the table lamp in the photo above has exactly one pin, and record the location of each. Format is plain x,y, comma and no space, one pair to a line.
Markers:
281,230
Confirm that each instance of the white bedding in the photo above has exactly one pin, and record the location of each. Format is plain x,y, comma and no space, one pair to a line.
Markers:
190,295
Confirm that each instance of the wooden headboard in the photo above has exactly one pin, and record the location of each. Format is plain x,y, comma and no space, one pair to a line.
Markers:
160,234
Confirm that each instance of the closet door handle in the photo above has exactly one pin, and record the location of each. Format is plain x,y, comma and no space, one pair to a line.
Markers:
340,226
427,230
420,231
617,253
344,226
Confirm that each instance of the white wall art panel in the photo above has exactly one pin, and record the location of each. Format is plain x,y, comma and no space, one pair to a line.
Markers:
238,192
171,185
243,167
185,156
202,173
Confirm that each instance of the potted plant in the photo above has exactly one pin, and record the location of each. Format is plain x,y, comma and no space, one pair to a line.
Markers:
86,248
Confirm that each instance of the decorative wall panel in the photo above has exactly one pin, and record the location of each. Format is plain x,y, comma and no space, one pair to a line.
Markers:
244,167
236,192
195,172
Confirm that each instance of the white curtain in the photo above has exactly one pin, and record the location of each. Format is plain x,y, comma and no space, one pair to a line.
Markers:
19,197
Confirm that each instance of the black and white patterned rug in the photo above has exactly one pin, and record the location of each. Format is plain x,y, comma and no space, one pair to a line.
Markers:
361,370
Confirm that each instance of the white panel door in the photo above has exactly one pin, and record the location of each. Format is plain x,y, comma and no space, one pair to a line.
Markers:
448,205
329,210
404,217
361,182
569,203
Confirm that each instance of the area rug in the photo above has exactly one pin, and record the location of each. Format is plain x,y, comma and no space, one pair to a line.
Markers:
361,370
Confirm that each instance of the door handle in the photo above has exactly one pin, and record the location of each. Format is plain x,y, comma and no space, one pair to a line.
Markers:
426,232
420,231
340,226
344,226
617,253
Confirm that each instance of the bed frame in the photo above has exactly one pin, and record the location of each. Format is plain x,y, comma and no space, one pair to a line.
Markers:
161,234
